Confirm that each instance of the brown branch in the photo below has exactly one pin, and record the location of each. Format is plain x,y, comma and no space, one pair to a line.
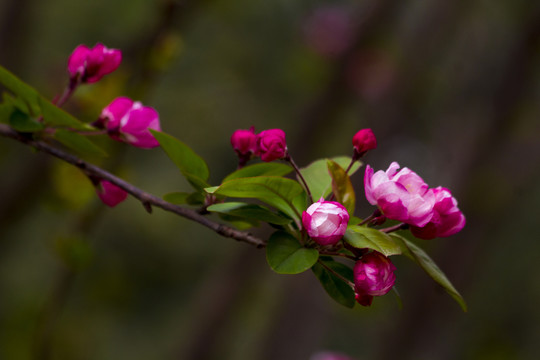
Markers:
145,198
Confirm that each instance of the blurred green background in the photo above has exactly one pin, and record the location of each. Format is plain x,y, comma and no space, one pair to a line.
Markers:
450,88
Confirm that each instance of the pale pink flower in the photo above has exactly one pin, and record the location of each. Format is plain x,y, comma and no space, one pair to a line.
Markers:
373,276
401,196
90,65
271,145
325,222
364,140
110,194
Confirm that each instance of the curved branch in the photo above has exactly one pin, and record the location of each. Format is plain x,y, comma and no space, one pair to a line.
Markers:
146,199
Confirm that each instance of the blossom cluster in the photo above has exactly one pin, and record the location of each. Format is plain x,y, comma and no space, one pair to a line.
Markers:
270,144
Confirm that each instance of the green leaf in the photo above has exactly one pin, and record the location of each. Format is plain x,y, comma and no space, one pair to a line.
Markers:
18,87
319,180
23,122
238,222
335,286
342,186
54,116
362,237
191,165
273,190
261,169
285,255
180,198
421,258
249,211
79,143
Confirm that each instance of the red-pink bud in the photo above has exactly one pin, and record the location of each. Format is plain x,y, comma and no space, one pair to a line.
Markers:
364,140
271,145
90,65
325,222
373,276
110,194
129,121
244,142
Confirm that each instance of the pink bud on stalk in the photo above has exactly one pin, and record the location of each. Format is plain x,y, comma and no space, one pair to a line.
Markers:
271,145
325,222
90,65
447,218
401,196
363,141
373,276
110,194
129,121
244,142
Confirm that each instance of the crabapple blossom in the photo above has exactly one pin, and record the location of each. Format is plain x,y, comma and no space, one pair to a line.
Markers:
110,194
325,221
90,65
373,276
271,145
364,140
244,142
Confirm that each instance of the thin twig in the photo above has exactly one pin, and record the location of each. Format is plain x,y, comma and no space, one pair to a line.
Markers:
297,170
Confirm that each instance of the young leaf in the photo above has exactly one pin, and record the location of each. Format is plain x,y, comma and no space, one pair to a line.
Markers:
18,87
23,122
79,143
319,180
334,285
362,237
191,165
285,255
53,115
342,186
260,169
275,191
249,211
421,258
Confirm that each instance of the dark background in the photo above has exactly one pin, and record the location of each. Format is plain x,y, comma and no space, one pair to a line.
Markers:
450,88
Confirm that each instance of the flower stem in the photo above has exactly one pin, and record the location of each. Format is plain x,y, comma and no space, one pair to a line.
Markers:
68,91
401,226
371,217
295,167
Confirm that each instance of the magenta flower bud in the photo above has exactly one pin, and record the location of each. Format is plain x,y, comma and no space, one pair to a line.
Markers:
325,222
244,142
401,196
110,194
364,140
90,65
447,218
373,276
129,121
271,145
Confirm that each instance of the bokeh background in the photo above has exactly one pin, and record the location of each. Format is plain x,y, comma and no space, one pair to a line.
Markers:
450,88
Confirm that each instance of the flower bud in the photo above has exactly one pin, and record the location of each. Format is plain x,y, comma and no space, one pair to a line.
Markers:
129,121
244,142
90,65
271,145
401,196
110,194
325,222
447,218
373,276
363,141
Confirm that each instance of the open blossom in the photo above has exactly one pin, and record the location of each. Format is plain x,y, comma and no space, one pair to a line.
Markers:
271,145
447,218
325,221
129,121
373,276
244,142
90,65
401,196
364,140
110,194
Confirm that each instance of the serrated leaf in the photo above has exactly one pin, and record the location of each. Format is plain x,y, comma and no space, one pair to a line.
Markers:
191,165
362,237
180,198
285,255
23,122
261,169
428,265
319,180
273,190
335,286
249,211
342,186
79,143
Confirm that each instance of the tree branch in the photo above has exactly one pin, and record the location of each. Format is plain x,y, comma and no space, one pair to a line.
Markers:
145,198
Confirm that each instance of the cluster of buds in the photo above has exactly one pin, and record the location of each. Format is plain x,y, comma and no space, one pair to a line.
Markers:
269,145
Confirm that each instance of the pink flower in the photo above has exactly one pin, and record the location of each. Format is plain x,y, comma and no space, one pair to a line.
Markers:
447,218
373,276
110,194
244,142
325,222
90,65
364,140
271,145
401,196
129,121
